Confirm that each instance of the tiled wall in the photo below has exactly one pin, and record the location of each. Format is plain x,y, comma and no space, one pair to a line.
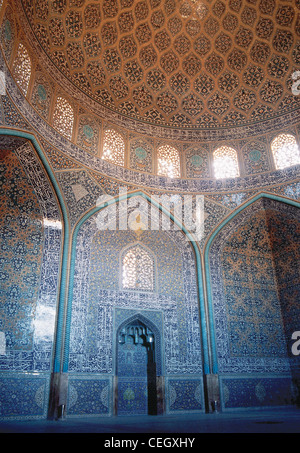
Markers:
246,262
21,226
257,392
24,395
284,231
185,395
100,306
254,267
29,254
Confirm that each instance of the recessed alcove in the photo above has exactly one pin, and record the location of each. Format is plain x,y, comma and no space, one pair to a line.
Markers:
118,119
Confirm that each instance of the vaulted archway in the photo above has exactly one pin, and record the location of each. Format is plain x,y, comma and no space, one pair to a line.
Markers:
251,293
96,300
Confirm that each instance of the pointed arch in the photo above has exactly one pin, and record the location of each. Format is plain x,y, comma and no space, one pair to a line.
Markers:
208,246
285,151
22,68
168,159
63,117
113,147
226,163
65,245
137,268
198,258
138,317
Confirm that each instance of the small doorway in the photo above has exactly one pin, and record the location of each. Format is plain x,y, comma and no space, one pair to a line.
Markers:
136,370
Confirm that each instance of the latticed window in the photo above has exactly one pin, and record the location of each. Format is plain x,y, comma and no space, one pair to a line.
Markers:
113,147
22,68
226,163
168,161
138,269
285,151
63,117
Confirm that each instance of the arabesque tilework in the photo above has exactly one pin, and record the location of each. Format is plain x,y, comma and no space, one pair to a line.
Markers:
169,64
89,396
94,354
255,286
28,396
254,258
258,392
185,395
21,254
30,256
97,291
245,293
284,231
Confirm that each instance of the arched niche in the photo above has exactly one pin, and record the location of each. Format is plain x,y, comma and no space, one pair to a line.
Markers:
139,368
33,213
96,301
252,263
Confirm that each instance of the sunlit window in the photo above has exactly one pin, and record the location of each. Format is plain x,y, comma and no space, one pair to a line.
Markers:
168,161
63,117
226,163
285,151
113,147
138,269
22,68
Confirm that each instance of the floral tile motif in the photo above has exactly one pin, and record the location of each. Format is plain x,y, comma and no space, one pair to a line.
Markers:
25,396
254,286
89,396
185,395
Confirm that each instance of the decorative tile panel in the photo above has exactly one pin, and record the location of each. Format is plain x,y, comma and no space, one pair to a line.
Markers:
170,37
23,396
257,392
185,395
89,396
250,325
30,254
97,293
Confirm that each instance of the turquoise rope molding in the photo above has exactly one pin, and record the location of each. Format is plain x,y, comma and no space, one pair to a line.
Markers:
207,267
206,362
66,236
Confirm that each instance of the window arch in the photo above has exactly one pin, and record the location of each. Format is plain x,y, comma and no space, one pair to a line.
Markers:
22,68
285,151
113,147
226,163
63,117
138,269
168,161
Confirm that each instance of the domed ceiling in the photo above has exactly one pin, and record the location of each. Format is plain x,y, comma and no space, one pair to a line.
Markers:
176,63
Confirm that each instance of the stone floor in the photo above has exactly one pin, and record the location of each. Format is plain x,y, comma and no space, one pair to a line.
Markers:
276,421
